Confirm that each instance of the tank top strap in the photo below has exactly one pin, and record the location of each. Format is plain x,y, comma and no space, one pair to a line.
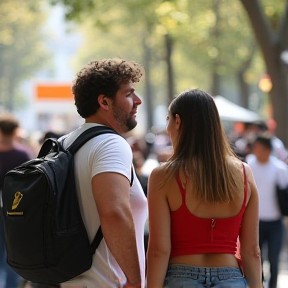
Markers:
245,187
182,190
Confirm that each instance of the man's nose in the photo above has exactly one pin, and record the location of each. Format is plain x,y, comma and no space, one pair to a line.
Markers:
137,99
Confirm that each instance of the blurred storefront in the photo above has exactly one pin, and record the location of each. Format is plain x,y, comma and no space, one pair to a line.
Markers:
54,107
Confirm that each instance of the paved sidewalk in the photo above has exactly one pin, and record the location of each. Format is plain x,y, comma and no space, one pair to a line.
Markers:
283,270
283,275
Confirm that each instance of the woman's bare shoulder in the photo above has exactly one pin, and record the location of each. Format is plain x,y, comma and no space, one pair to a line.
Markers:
159,171
235,165
158,178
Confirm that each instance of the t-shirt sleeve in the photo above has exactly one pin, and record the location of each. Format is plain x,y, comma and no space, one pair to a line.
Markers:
112,154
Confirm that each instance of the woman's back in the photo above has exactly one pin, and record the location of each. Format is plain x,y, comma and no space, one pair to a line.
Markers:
199,205
205,233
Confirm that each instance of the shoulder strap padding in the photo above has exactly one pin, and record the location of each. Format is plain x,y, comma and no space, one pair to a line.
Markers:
87,135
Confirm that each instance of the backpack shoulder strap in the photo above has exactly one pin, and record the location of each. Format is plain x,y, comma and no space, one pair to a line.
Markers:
132,175
87,135
49,145
96,241
52,144
73,148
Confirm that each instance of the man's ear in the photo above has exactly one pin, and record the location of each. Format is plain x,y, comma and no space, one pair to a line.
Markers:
103,101
177,121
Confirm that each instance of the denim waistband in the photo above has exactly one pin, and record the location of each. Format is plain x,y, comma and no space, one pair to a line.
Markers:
187,271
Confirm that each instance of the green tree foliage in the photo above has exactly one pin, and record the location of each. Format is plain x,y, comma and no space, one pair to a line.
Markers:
213,46
22,50
191,25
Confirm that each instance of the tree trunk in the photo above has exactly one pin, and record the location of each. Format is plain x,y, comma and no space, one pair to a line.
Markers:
215,34
272,43
148,88
216,81
279,101
170,73
244,89
243,86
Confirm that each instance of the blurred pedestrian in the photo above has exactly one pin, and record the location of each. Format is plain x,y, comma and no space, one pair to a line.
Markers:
50,134
200,201
268,172
278,148
12,154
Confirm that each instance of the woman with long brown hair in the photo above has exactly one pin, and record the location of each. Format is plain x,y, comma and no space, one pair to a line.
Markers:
202,202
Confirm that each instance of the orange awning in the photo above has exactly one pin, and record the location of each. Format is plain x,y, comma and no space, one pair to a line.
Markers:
54,92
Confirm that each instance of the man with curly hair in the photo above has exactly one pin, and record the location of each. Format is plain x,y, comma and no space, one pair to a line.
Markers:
105,95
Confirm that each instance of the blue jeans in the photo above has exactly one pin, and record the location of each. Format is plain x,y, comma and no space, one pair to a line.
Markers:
185,276
11,279
272,233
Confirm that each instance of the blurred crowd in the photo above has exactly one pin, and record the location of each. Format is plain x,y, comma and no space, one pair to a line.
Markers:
150,150
243,136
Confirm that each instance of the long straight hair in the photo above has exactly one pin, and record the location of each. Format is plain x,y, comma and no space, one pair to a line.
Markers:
202,150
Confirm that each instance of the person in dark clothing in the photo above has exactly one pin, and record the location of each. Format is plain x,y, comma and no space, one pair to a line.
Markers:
12,154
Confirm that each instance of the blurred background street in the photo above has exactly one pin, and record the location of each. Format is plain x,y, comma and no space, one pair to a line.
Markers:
235,50
283,275
283,264
283,270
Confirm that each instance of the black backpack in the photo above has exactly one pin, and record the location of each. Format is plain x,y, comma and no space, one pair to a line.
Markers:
46,239
282,198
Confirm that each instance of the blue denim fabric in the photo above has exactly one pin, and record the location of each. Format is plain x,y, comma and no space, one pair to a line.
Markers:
272,233
185,276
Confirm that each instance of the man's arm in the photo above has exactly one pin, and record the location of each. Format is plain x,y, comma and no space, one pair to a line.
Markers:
112,196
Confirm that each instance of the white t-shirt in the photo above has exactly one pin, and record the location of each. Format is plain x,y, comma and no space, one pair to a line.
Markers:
266,176
279,149
106,153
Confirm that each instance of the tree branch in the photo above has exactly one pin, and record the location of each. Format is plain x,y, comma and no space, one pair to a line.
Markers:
262,30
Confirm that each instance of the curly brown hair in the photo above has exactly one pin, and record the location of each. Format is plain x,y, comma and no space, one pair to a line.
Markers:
102,77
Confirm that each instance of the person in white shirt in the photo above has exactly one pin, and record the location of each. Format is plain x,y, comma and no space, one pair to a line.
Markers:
269,171
105,95
278,148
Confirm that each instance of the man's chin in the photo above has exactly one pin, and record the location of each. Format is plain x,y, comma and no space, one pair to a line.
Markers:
131,125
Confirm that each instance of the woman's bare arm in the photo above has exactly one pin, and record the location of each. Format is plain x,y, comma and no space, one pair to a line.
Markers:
249,237
159,232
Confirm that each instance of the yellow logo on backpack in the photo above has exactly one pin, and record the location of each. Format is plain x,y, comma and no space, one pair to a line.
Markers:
17,198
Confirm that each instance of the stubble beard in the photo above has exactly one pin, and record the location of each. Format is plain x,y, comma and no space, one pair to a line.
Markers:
126,122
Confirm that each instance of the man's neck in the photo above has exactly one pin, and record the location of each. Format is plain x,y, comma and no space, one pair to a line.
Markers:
97,118
6,143
263,160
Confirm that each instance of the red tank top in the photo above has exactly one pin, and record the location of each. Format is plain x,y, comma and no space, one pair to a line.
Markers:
194,235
